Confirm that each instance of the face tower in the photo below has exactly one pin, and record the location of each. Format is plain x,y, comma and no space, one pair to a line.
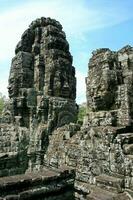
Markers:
42,91
42,76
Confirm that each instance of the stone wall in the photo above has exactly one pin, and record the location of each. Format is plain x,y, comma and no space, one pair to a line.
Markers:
38,128
45,183
42,91
101,151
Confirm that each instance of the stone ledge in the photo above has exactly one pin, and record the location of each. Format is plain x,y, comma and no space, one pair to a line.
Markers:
45,182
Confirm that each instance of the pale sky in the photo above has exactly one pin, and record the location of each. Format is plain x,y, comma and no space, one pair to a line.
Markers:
88,24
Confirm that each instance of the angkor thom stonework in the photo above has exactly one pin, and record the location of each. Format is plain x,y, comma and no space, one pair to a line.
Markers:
44,153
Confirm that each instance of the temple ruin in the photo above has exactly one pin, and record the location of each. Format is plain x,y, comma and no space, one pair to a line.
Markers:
44,152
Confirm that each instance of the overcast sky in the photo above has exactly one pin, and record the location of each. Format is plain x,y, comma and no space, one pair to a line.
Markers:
89,24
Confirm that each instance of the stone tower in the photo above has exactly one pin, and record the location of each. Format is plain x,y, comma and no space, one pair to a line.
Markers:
101,152
109,86
108,125
41,71
39,130
42,91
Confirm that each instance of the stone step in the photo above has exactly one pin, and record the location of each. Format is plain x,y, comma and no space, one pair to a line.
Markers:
129,192
130,157
41,183
127,142
110,183
123,196
128,149
100,194
126,136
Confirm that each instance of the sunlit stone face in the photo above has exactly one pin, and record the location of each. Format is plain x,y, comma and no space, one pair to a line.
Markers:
13,87
101,95
101,84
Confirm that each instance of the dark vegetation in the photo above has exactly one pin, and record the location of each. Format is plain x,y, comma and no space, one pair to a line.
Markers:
2,102
82,113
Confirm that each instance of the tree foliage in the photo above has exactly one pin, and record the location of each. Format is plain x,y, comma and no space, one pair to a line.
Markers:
82,113
2,102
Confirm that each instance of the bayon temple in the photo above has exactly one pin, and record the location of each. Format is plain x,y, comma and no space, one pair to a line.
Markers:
45,153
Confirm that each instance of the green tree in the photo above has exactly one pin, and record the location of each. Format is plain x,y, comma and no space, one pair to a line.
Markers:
2,102
81,113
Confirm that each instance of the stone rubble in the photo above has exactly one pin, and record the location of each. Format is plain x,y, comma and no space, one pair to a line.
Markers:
101,152
39,127
44,183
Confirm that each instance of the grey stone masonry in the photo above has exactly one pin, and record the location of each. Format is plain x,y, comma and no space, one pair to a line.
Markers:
101,151
42,91
39,133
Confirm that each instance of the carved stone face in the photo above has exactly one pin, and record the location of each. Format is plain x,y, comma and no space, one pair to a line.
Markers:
66,89
102,102
100,89
61,86
13,87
